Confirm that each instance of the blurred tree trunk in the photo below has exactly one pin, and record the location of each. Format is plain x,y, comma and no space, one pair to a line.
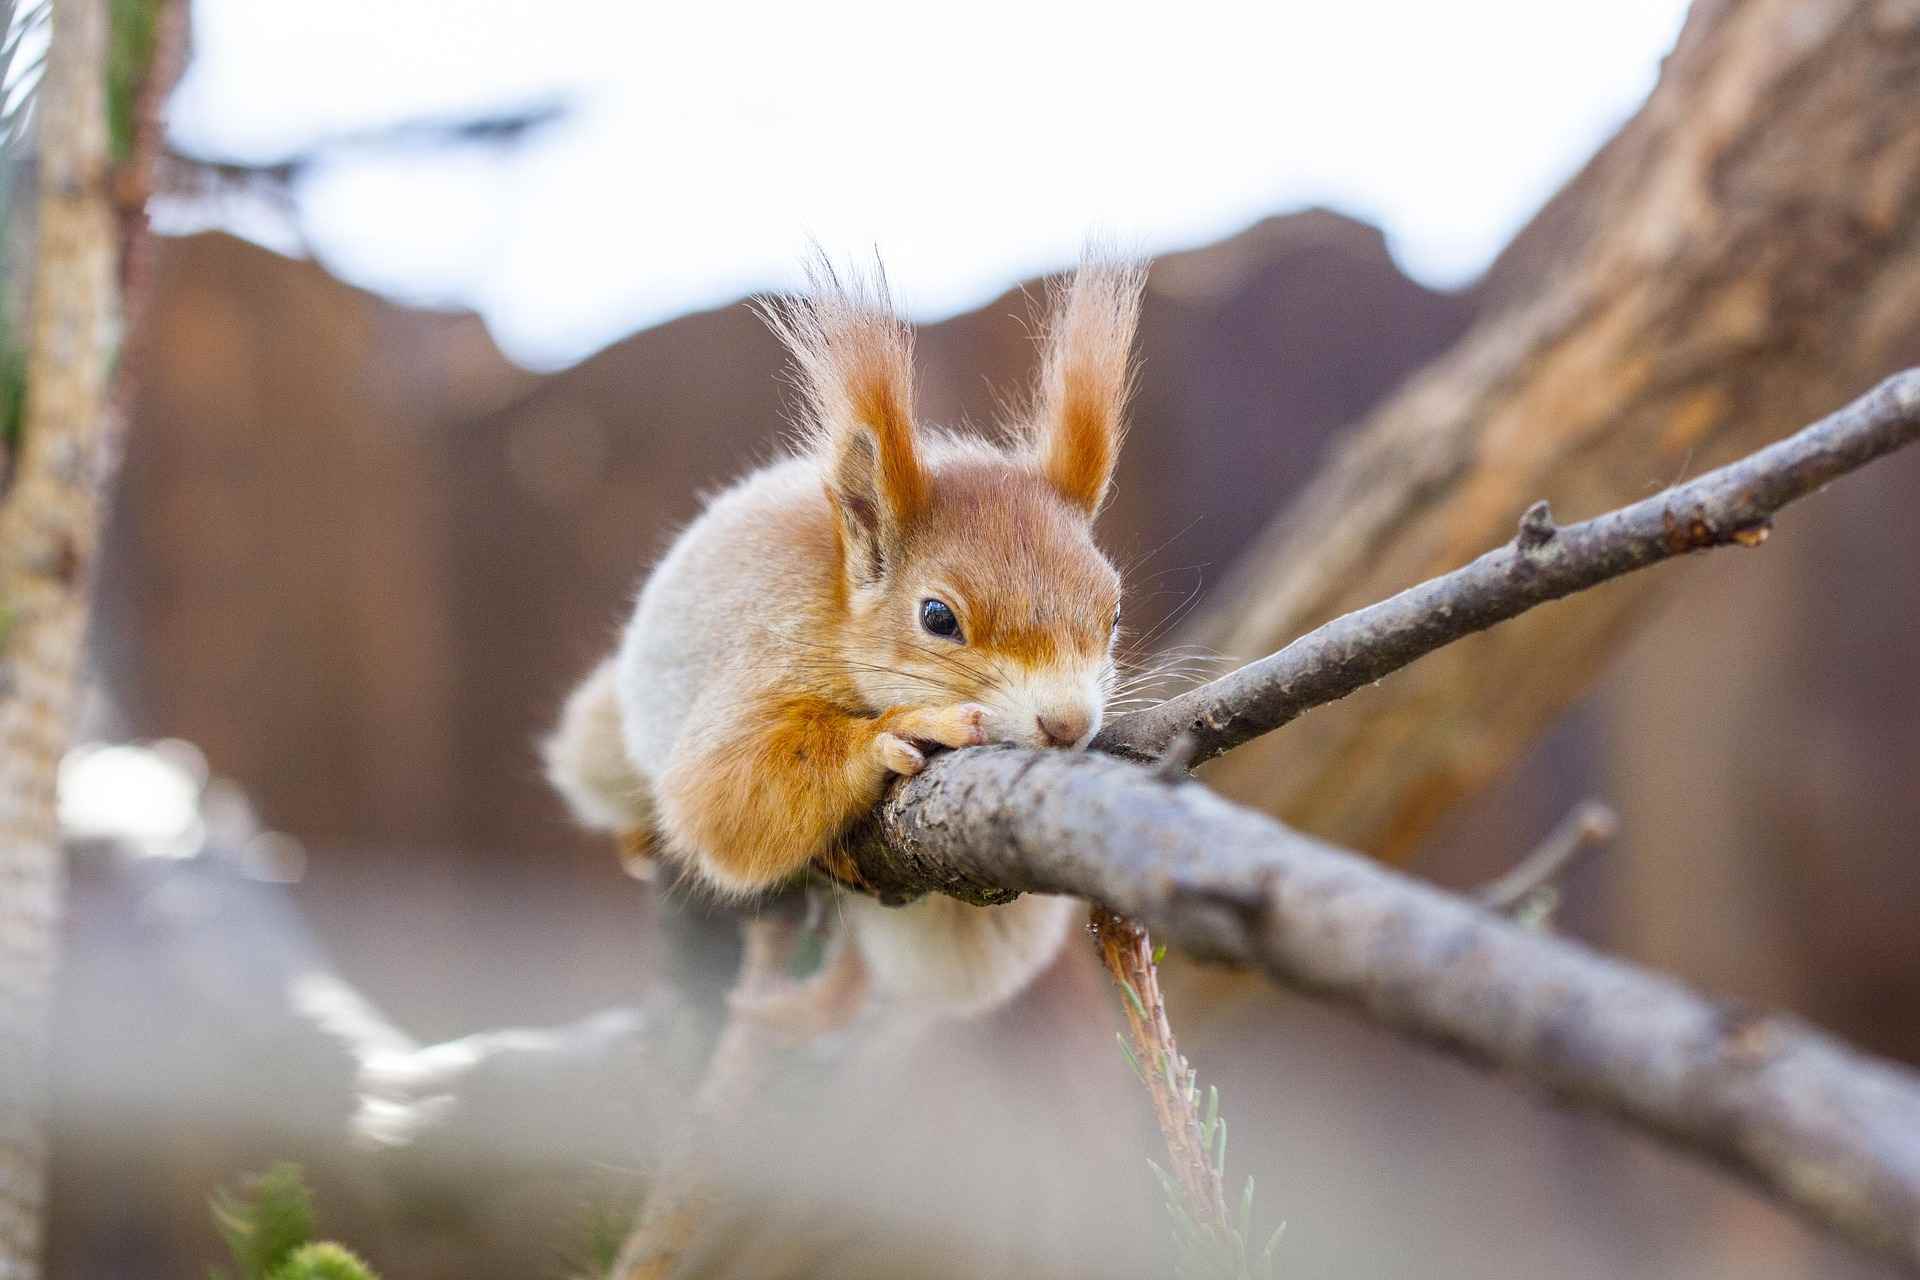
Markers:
1744,252
47,533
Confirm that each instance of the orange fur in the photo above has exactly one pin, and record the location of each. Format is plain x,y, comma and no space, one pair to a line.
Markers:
853,359
1086,378
765,805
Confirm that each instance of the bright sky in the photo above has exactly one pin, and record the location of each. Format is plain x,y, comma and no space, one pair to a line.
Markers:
972,144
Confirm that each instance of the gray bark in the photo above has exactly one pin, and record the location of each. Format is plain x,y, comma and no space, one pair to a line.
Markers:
1830,1131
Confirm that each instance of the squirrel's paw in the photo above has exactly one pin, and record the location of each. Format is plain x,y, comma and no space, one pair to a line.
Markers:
899,755
964,724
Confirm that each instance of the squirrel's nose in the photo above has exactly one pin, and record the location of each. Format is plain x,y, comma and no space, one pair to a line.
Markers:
1064,727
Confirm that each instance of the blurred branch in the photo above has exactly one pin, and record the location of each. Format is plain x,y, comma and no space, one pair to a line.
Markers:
1544,561
504,128
682,1189
406,1088
48,528
1831,1131
212,190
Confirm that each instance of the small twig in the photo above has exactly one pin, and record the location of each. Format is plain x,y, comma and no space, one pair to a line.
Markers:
1176,762
1537,877
1127,952
1731,506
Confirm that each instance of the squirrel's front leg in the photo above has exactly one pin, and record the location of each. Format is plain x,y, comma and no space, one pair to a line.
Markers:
753,811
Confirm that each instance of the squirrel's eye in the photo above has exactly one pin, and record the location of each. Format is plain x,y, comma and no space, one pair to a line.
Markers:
938,619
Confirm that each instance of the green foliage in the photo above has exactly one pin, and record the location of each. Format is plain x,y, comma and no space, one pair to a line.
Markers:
267,1222
268,1228
13,397
323,1261
128,59
1222,1251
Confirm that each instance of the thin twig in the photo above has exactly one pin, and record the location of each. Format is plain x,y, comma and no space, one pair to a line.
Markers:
1733,505
1127,952
1590,827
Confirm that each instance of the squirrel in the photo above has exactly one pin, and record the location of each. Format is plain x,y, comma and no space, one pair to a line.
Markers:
885,589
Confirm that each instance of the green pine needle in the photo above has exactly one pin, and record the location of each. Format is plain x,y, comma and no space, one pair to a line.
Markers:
323,1261
267,1222
268,1227
128,60
1132,1060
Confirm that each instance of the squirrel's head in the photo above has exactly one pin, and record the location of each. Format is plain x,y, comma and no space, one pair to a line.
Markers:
969,570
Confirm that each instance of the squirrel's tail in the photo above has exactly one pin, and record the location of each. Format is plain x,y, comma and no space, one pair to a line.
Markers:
942,956
587,762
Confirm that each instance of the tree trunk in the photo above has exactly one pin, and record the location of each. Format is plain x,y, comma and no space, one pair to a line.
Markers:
47,532
1744,252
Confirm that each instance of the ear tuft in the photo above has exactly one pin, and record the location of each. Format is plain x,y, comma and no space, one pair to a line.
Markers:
853,361
1086,377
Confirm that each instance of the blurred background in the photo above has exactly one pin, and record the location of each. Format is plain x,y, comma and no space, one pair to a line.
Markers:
446,337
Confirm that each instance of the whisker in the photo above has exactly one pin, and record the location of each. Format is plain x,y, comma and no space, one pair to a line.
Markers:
1126,573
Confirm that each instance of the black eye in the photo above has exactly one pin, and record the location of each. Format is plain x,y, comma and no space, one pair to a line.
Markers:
938,619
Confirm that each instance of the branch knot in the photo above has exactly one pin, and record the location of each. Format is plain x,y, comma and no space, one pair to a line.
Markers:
1537,528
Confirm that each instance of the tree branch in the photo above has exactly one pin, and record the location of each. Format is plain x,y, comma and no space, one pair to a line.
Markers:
682,1188
48,529
1831,1131
406,1089
1741,256
1734,504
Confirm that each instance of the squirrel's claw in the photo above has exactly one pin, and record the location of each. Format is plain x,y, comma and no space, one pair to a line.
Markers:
899,755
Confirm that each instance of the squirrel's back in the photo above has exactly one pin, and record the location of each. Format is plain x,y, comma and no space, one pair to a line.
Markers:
744,596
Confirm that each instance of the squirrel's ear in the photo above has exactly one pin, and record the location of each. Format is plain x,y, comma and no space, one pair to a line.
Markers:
853,359
1086,375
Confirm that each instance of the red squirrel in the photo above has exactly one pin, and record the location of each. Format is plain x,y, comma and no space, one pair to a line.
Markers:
886,589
